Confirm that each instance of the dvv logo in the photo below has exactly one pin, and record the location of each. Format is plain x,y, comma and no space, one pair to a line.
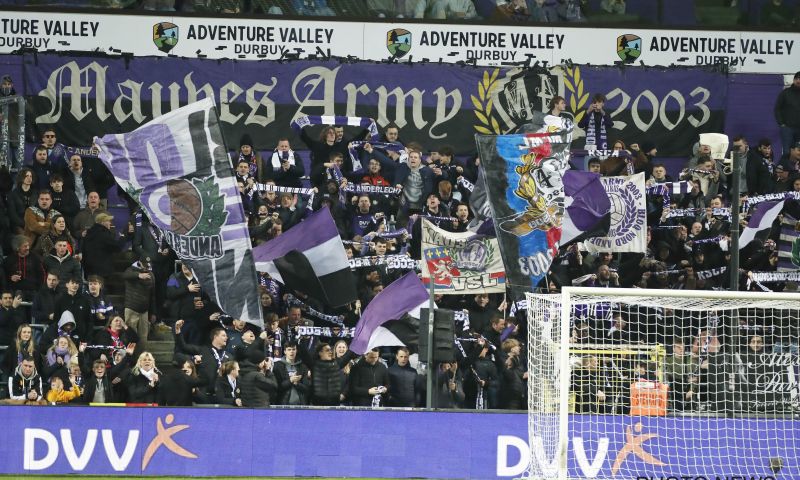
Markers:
165,36
398,42
42,448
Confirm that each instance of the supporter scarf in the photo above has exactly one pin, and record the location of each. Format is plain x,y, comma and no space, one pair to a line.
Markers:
252,168
665,189
364,122
750,202
591,133
716,239
773,277
693,212
308,192
469,186
324,332
706,274
389,146
293,301
398,262
358,188
277,160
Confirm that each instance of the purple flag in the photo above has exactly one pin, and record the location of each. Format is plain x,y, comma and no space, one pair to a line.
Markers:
587,206
177,170
762,218
402,296
310,258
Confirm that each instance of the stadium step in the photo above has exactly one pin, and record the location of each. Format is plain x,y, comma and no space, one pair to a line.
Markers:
162,351
717,15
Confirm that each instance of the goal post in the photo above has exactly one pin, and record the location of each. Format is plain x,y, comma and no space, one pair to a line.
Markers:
650,384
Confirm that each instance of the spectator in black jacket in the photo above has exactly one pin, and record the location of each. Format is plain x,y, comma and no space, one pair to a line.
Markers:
20,198
257,381
404,384
227,388
61,262
78,305
11,317
183,387
369,381
99,246
209,358
44,302
285,166
139,297
64,200
143,381
99,386
327,377
23,269
292,376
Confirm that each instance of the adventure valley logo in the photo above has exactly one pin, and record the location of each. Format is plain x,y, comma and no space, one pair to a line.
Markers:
398,42
165,36
629,47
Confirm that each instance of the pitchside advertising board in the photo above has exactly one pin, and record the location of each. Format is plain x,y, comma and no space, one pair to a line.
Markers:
162,441
484,45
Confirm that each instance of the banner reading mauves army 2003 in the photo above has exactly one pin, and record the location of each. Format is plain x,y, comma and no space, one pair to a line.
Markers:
461,263
177,169
432,104
526,194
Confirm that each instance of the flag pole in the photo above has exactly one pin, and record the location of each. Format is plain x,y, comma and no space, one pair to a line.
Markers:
734,243
429,380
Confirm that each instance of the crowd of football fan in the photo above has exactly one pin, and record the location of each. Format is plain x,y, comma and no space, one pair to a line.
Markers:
69,340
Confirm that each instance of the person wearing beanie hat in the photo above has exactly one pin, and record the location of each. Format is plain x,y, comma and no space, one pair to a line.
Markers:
256,380
248,154
787,114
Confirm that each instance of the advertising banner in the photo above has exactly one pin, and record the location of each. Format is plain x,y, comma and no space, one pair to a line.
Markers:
254,39
432,104
393,444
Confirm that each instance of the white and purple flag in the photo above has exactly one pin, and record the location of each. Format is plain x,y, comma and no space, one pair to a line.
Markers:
587,208
177,169
310,258
761,219
384,322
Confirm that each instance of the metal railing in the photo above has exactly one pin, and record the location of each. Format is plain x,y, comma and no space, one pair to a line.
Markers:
9,158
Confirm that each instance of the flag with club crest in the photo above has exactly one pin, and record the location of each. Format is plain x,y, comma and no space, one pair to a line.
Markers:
627,231
523,177
461,263
177,169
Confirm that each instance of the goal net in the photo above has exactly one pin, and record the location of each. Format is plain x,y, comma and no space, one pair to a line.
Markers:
653,384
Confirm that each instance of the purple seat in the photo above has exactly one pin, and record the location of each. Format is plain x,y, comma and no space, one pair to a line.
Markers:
647,10
678,13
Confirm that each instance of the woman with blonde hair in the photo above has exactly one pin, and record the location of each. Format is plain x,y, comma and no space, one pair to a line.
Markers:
58,356
22,346
142,382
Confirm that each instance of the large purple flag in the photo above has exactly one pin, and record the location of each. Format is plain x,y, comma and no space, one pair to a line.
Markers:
177,169
310,258
587,207
762,218
405,295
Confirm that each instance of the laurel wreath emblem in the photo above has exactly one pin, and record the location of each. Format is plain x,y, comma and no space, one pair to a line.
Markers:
578,99
483,104
629,215
213,215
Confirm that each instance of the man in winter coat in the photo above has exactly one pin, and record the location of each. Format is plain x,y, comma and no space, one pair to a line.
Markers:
787,114
138,297
404,382
60,262
369,381
256,379
25,386
292,377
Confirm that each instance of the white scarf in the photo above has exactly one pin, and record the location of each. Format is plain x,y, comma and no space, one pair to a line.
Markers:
148,374
276,159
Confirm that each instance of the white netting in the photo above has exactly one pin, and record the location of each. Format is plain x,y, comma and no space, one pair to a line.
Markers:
656,386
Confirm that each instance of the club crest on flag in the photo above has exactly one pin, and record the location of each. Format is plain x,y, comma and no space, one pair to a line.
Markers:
165,36
535,188
398,42
441,265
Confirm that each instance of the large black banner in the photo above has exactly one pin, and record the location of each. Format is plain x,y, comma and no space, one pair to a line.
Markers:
433,104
